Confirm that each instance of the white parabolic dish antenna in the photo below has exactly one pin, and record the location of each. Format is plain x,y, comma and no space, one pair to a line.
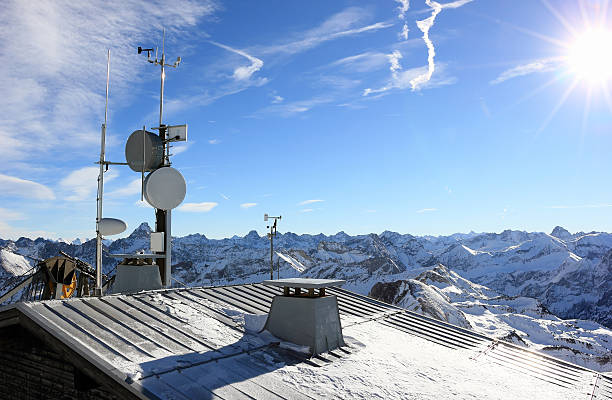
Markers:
165,188
111,226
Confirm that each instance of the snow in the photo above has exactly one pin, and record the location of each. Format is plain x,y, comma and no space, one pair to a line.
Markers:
14,264
383,363
388,364
294,263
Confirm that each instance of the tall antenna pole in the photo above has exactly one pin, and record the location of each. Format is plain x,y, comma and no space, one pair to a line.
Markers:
168,213
163,218
163,78
98,289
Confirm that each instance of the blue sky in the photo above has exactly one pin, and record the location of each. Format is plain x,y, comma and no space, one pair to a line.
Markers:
320,111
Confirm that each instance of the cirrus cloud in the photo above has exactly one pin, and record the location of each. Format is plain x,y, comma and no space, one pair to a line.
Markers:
303,203
198,207
17,187
542,65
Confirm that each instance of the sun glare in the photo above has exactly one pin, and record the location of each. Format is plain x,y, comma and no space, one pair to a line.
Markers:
590,57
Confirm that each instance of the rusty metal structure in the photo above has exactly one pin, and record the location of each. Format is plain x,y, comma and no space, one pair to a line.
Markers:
59,277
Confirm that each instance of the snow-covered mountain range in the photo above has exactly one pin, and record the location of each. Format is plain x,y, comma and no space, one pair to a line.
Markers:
515,285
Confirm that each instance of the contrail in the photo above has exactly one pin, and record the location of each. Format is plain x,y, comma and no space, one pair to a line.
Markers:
403,8
242,73
394,60
424,25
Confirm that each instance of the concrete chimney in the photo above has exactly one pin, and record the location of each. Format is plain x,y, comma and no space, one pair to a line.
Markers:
305,314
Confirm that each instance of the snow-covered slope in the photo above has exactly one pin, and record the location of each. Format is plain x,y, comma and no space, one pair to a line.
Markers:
445,295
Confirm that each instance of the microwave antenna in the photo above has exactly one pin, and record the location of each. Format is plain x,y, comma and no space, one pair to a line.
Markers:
167,134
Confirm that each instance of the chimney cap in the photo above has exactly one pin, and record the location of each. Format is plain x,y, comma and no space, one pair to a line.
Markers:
305,283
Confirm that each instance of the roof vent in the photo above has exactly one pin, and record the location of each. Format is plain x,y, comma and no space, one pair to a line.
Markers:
305,317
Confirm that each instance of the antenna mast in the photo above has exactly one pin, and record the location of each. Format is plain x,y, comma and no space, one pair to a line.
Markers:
271,237
163,218
98,289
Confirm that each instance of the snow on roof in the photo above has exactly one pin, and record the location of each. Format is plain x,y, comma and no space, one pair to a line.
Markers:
206,343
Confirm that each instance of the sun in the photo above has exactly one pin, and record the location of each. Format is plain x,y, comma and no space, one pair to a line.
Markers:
590,56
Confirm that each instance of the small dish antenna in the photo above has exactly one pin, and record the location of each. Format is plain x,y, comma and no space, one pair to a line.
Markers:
165,188
111,226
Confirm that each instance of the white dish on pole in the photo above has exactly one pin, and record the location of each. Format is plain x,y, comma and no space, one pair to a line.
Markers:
165,188
111,226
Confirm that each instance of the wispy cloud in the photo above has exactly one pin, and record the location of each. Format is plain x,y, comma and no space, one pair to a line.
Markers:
289,109
425,25
401,80
181,148
8,231
10,215
543,65
305,202
224,196
58,107
82,183
214,141
581,206
403,8
277,99
346,23
363,62
243,73
424,210
132,188
395,67
23,188
198,207
247,205
305,210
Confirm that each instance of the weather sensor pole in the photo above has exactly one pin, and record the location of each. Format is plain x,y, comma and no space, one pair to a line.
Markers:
103,165
163,218
271,237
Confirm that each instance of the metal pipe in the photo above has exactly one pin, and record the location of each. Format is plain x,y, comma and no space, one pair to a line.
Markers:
168,248
166,157
272,251
98,288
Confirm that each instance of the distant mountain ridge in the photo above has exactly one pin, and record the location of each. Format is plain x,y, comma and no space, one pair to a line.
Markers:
570,275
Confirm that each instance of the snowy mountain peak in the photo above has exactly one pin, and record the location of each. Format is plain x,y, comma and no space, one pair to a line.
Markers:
252,235
340,236
79,241
561,233
143,230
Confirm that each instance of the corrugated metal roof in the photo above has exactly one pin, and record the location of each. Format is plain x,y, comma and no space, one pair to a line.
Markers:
162,344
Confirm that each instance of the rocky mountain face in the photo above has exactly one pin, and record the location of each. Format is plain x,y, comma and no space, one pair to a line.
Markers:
567,275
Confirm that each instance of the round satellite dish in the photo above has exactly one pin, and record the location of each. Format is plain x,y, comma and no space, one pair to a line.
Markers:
165,188
111,226
144,151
